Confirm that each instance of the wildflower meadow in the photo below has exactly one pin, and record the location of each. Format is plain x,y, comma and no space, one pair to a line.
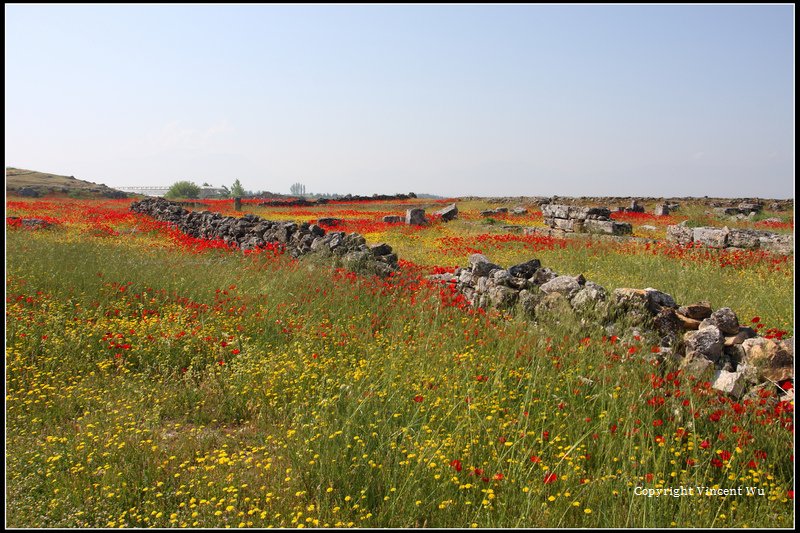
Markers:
158,380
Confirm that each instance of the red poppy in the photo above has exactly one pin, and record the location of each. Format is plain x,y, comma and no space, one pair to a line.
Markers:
536,459
418,398
705,444
550,478
455,463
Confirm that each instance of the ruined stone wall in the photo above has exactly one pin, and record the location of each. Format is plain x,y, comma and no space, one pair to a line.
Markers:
731,238
706,342
571,218
250,232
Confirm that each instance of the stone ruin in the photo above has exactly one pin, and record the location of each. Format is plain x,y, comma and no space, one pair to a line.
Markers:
448,213
634,207
518,210
731,239
28,223
416,217
250,232
571,218
704,342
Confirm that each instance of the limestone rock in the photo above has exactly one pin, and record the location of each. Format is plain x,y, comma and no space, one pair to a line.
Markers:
696,364
711,237
590,293
742,335
566,285
708,342
680,234
502,297
775,360
698,311
481,266
726,320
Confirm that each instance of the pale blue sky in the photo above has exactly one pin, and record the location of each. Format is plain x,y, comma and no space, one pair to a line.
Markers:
451,100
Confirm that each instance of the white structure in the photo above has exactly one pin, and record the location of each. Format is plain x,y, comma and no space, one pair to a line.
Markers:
147,191
205,192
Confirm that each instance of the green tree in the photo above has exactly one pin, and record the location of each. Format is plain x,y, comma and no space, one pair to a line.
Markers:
183,189
298,189
237,191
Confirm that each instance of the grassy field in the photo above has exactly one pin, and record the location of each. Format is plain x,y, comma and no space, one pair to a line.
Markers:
153,380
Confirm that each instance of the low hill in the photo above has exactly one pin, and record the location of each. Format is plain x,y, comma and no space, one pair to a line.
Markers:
22,182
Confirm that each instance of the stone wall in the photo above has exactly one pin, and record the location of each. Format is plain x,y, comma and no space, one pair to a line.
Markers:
250,232
704,342
726,238
571,218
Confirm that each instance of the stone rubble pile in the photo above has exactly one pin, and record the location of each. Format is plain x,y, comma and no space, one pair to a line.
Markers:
30,223
706,342
743,210
571,218
634,207
742,239
250,232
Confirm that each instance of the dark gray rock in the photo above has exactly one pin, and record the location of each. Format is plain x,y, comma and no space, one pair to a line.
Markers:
416,217
525,270
448,213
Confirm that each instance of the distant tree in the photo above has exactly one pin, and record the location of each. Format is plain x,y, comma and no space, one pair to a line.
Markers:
205,184
237,191
183,189
298,189
226,193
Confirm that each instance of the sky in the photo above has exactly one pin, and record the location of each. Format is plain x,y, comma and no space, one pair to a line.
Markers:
453,100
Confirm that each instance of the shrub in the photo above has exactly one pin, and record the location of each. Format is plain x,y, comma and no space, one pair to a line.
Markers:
183,189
